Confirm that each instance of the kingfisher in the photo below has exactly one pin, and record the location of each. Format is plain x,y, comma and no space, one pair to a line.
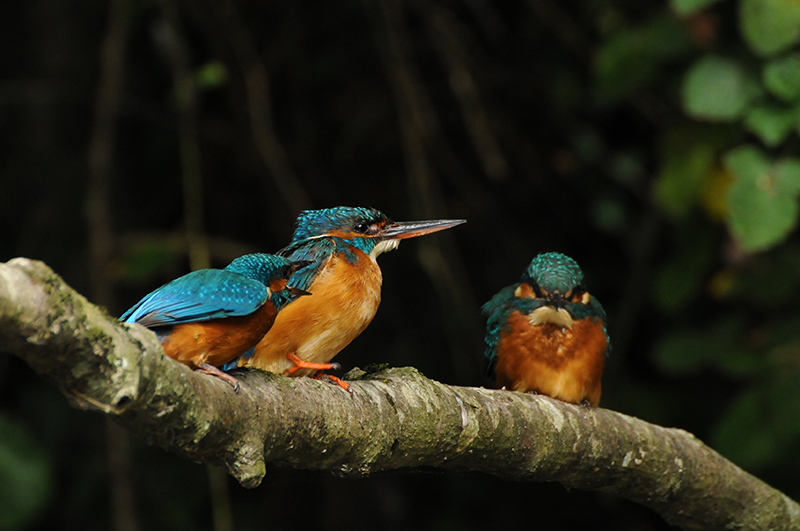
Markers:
342,245
210,317
546,334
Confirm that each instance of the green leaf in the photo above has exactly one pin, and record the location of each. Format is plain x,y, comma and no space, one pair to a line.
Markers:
770,26
25,476
782,77
716,89
687,7
687,157
771,123
788,175
631,58
762,202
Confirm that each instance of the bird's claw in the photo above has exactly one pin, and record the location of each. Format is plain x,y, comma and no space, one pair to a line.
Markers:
334,380
207,368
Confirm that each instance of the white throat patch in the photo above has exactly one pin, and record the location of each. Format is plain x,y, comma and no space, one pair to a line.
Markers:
384,246
548,314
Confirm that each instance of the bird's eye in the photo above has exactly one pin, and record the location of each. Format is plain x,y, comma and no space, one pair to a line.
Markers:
541,292
366,227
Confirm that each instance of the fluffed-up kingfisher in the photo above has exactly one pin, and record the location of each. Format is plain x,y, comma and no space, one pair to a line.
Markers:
342,245
546,334
210,317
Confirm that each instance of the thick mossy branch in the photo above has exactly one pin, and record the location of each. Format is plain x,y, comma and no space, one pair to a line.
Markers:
393,418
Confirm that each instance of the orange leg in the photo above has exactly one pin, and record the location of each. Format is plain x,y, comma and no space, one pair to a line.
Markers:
207,368
302,364
334,380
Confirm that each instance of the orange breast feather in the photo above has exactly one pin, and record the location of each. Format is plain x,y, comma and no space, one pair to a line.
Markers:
220,340
344,298
564,363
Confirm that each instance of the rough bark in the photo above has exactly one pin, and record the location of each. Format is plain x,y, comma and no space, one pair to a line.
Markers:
393,418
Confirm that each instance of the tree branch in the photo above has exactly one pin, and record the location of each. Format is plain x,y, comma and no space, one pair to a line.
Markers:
394,418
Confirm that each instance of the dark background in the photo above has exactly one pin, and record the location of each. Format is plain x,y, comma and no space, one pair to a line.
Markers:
143,139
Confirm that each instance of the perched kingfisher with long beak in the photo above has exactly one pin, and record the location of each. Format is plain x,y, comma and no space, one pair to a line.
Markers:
342,245
546,334
210,317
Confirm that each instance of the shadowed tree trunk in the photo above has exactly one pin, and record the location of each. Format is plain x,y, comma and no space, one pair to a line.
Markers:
394,418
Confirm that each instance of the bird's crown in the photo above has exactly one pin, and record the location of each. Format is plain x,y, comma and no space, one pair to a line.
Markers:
553,272
346,222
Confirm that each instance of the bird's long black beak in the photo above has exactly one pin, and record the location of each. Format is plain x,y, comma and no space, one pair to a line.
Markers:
401,230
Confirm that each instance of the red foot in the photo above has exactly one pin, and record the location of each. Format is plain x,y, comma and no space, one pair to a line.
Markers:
302,364
334,380
206,368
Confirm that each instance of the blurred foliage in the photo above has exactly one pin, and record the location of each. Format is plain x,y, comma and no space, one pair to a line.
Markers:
717,89
655,142
769,26
631,58
25,475
762,198
210,75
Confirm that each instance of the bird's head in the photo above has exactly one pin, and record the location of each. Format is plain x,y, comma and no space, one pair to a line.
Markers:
557,281
367,228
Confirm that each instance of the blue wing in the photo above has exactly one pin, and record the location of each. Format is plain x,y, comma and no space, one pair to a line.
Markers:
198,296
497,311
316,251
